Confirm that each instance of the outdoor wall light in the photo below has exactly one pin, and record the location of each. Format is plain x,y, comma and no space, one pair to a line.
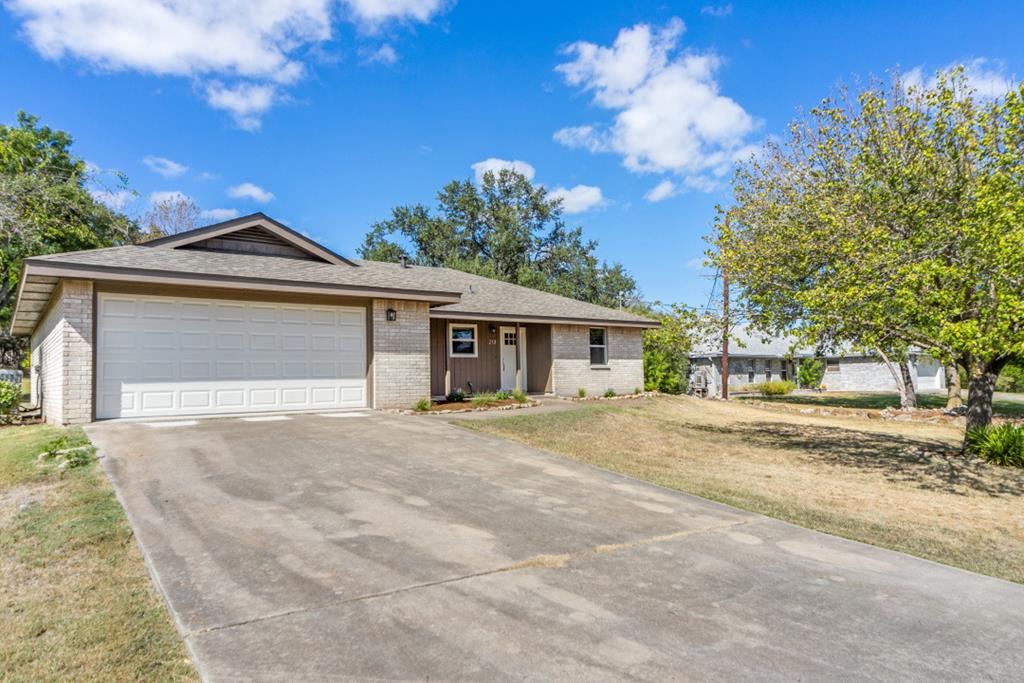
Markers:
392,315
493,329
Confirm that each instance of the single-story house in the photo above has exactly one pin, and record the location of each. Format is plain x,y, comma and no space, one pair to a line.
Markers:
754,359
249,316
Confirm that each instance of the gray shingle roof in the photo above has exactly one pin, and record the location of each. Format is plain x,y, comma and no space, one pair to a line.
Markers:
479,295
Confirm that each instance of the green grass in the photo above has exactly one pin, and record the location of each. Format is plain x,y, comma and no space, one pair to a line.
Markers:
898,485
878,401
77,599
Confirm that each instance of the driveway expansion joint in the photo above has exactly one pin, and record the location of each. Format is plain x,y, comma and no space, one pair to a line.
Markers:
544,561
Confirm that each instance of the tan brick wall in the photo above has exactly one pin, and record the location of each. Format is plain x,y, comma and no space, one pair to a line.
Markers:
401,353
62,355
570,361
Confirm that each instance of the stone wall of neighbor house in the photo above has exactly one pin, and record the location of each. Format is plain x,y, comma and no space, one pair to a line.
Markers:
846,374
62,365
570,361
401,353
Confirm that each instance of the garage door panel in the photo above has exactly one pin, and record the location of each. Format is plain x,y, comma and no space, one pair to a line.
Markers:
168,356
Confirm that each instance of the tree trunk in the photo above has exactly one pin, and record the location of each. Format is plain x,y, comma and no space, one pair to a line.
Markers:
908,395
981,384
953,398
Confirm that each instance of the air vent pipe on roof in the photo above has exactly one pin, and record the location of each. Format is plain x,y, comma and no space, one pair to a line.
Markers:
404,260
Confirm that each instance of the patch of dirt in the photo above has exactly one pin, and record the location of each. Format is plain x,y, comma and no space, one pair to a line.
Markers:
18,498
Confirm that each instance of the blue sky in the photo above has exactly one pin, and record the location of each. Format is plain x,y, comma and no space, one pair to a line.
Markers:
325,114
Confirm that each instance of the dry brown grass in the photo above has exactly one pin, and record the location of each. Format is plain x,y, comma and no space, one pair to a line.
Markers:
77,602
898,485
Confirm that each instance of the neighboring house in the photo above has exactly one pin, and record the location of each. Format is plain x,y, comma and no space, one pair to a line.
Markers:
754,359
249,316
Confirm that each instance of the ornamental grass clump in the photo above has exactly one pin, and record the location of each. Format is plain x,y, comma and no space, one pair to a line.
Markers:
1000,445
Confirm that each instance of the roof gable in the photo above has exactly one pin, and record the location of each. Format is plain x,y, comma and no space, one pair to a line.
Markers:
253,234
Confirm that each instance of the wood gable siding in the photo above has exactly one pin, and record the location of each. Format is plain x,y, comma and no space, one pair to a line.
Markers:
484,371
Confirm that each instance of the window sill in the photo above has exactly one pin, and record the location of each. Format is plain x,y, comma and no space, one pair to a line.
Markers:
603,366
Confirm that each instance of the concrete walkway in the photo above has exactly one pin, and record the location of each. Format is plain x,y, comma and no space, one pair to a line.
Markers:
400,547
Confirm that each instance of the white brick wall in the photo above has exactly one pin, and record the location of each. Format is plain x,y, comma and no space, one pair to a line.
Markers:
570,361
62,352
401,353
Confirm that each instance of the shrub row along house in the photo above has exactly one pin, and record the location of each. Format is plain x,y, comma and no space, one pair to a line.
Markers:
249,316
754,359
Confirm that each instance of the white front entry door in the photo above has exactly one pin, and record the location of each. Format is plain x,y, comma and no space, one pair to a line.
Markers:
509,347
182,356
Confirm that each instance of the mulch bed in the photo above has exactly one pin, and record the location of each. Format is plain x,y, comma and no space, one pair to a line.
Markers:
468,407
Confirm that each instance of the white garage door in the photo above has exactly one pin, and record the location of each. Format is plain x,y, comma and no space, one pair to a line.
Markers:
177,356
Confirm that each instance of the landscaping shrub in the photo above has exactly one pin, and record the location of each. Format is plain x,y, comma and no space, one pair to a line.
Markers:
422,405
455,396
581,392
776,388
501,395
10,399
1000,445
609,393
810,372
519,396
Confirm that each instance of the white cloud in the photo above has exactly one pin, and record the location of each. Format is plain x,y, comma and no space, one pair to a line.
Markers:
164,166
668,113
717,10
206,175
370,14
663,190
987,76
219,214
579,198
250,191
115,200
385,54
695,263
495,165
168,196
248,44
246,102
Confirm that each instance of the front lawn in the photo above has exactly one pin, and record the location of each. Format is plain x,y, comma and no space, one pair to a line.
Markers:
77,600
898,485
879,401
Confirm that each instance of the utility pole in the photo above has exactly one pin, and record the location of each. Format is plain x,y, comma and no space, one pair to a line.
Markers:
725,334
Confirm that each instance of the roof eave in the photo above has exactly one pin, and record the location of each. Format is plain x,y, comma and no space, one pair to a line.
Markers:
52,269
542,319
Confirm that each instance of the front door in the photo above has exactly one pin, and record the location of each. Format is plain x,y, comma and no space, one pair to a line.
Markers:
509,346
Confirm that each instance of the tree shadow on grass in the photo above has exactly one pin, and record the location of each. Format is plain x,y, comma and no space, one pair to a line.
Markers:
928,463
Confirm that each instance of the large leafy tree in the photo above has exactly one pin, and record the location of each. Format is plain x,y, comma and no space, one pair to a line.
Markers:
891,220
45,207
505,228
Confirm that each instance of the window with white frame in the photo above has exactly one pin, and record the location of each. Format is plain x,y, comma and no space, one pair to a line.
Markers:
832,365
461,340
598,346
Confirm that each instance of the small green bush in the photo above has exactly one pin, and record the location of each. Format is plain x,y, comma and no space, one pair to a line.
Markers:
581,392
999,445
455,396
810,372
422,405
637,390
609,393
10,399
519,396
501,395
775,388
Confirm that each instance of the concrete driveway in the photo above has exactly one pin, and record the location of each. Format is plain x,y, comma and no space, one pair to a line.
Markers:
401,547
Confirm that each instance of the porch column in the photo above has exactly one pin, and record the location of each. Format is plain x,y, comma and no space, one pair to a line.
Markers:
519,363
